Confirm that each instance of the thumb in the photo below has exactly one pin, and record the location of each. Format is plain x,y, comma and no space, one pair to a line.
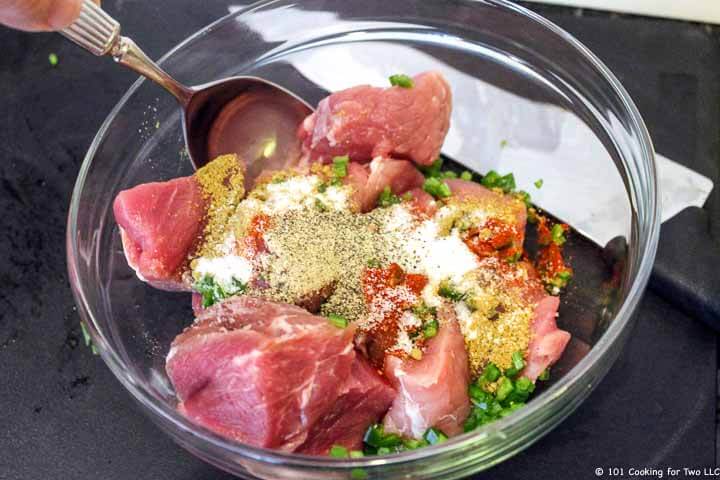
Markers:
39,15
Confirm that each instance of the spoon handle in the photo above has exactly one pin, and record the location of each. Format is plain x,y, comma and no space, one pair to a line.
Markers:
99,33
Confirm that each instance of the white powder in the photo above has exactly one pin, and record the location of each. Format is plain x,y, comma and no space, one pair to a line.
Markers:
422,249
419,248
445,213
224,269
444,257
430,296
404,343
400,220
290,193
335,197
381,306
409,320
300,192
464,316
228,246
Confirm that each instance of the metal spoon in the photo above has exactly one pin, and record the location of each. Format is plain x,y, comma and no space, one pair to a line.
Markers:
245,115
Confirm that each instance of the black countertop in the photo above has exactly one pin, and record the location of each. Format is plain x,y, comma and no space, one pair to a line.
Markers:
65,416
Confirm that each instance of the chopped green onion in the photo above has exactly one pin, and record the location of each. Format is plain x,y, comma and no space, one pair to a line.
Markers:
511,372
387,198
424,312
508,396
503,143
505,388
514,258
483,411
337,320
448,291
320,205
517,360
322,188
338,451
507,183
87,338
476,393
401,80
373,263
356,454
434,436
375,436
448,174
432,170
513,406
212,292
524,385
53,59
466,175
383,451
437,188
413,443
390,440
490,373
236,286
558,234
358,474
561,279
545,375
492,179
524,197
430,329
538,183
86,334
472,422
340,166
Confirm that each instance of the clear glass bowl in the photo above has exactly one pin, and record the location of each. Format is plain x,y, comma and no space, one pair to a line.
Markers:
310,46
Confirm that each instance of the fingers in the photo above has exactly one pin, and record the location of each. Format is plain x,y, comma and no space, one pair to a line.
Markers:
39,15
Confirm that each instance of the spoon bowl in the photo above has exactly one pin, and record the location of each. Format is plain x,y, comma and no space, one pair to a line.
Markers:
251,117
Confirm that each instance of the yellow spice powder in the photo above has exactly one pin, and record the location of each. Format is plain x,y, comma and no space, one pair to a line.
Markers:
222,183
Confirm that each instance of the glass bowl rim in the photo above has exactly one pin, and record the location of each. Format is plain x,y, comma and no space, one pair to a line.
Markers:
457,444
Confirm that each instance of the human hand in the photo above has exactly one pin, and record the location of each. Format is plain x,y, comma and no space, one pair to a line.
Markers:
39,15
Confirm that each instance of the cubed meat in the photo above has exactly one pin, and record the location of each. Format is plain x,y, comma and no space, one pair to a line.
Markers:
160,222
273,375
370,180
365,122
547,341
365,399
432,391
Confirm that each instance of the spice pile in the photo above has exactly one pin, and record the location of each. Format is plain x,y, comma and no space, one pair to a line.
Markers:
387,270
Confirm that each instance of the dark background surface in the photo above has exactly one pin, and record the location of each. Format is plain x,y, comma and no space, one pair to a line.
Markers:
63,414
